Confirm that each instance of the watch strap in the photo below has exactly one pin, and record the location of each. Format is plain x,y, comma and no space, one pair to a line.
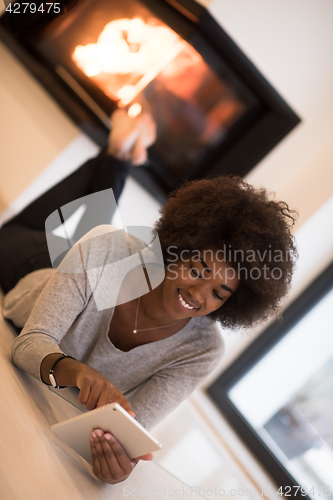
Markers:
51,376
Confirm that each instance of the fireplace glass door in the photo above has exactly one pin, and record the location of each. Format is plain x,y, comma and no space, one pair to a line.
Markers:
215,112
124,55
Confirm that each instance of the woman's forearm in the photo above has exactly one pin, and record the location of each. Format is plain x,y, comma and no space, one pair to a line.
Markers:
65,372
95,389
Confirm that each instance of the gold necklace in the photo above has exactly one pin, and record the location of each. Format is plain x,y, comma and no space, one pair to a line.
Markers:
146,329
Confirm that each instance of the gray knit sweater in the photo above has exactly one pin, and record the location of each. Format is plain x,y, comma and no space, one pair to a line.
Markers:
59,312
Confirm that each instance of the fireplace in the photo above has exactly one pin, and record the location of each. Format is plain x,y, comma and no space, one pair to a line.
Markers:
215,113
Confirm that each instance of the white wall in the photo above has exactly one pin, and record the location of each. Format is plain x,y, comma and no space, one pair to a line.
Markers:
33,129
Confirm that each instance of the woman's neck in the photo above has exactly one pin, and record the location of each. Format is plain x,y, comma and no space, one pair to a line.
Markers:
151,306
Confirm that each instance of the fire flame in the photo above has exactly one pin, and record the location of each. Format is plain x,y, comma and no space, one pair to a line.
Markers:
129,46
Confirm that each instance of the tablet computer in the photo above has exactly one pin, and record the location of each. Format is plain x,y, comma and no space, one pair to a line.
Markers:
112,418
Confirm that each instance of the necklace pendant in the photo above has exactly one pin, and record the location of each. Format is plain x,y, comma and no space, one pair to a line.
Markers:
134,331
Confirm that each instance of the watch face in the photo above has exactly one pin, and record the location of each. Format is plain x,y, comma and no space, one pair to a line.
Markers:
52,380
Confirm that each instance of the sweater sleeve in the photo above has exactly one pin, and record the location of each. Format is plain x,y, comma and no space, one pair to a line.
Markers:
166,389
62,299
84,270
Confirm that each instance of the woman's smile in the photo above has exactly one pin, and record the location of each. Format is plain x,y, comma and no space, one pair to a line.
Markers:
184,303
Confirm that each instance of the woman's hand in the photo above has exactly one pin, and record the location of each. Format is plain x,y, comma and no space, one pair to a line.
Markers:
110,461
97,391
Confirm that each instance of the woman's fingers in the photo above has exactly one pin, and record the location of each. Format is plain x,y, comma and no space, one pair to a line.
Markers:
114,396
101,466
110,462
124,403
105,395
94,395
94,455
148,456
97,391
85,383
84,394
119,453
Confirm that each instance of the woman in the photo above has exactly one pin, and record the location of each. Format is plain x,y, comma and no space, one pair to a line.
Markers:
229,257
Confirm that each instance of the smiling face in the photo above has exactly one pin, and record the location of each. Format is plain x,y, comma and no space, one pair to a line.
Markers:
197,284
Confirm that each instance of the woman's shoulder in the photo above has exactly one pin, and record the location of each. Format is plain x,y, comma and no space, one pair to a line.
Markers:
110,241
102,245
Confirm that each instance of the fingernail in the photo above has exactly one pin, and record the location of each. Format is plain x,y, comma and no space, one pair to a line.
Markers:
99,433
93,434
107,436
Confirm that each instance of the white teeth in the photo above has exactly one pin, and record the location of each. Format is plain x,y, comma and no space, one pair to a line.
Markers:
185,304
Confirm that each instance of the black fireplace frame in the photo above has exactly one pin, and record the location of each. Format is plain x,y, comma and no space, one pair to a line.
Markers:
239,155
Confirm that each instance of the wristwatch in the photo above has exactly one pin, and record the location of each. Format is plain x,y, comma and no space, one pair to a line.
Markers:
51,376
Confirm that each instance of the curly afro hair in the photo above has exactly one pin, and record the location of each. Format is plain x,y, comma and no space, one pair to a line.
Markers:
254,232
